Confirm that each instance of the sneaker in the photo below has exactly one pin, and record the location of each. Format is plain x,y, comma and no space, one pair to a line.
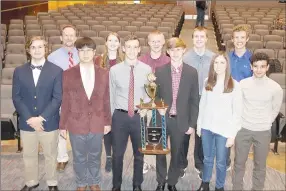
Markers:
200,176
183,172
228,168
146,167
108,164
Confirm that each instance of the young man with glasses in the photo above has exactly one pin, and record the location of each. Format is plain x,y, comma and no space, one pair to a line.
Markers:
85,113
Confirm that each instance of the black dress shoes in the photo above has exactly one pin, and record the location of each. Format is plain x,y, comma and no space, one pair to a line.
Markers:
137,188
116,189
27,188
160,187
53,188
172,188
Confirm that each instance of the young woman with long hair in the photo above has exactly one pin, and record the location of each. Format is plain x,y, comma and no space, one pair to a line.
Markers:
219,119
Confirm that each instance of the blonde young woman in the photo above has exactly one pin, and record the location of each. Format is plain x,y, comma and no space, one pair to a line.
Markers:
219,119
111,57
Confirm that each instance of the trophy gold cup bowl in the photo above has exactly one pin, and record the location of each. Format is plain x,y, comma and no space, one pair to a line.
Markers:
151,90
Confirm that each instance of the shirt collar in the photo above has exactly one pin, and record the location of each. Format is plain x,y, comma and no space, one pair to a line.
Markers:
179,69
245,55
135,65
159,58
42,62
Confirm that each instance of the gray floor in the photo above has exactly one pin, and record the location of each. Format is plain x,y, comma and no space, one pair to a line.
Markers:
12,175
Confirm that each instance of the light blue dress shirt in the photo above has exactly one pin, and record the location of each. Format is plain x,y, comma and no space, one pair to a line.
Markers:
60,57
200,63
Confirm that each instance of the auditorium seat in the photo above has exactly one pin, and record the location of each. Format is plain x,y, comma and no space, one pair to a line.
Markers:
14,60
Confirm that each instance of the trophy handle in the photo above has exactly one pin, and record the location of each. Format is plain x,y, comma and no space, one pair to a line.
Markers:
145,88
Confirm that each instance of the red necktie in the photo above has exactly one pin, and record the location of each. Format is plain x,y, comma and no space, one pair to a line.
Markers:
71,63
131,93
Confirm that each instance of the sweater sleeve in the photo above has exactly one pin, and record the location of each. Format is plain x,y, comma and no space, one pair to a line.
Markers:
276,102
202,106
237,106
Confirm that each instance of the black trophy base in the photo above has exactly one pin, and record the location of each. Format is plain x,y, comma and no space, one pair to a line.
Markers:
154,150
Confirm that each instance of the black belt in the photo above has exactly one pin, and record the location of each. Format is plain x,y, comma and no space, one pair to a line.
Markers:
172,116
125,111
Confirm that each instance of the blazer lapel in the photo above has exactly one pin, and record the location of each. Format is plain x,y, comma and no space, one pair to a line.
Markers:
30,77
45,74
183,82
96,79
79,77
168,80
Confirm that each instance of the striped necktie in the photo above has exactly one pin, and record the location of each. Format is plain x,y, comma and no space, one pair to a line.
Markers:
71,63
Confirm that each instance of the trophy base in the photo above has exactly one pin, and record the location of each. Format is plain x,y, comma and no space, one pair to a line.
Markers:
157,150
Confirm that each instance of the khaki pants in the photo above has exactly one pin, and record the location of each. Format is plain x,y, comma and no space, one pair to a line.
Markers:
49,143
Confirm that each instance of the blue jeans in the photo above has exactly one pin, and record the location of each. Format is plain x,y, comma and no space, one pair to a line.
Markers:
200,17
214,146
86,150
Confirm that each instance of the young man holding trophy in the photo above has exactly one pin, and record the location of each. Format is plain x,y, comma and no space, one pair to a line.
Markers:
155,58
178,87
127,80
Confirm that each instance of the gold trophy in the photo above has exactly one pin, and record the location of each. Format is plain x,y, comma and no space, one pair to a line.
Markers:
153,137
151,89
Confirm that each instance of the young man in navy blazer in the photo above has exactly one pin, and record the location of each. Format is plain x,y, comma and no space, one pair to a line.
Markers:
37,96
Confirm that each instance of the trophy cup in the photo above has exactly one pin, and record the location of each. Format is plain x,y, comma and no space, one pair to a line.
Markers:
153,138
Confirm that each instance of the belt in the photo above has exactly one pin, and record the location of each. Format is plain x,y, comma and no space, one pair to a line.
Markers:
172,116
125,111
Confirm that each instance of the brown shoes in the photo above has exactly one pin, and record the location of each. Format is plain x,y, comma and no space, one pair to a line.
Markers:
61,166
94,188
81,188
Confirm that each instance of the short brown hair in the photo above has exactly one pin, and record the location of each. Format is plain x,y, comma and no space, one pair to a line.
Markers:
212,78
175,42
85,42
200,28
239,28
131,37
63,27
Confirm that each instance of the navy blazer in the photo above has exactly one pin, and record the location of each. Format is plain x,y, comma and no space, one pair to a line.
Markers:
41,100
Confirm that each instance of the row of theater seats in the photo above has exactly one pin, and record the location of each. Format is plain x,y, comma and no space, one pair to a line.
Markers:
266,32
95,21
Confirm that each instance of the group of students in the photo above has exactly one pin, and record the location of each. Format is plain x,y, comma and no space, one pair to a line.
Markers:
224,100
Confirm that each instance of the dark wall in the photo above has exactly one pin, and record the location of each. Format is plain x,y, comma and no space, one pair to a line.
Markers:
33,9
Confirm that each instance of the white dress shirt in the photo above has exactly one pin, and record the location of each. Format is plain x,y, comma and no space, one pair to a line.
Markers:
221,112
37,72
87,77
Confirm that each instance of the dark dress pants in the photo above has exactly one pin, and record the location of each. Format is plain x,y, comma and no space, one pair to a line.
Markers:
124,126
176,139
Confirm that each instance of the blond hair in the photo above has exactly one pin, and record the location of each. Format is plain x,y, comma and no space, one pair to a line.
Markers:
119,58
156,32
63,27
239,28
175,42
200,28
